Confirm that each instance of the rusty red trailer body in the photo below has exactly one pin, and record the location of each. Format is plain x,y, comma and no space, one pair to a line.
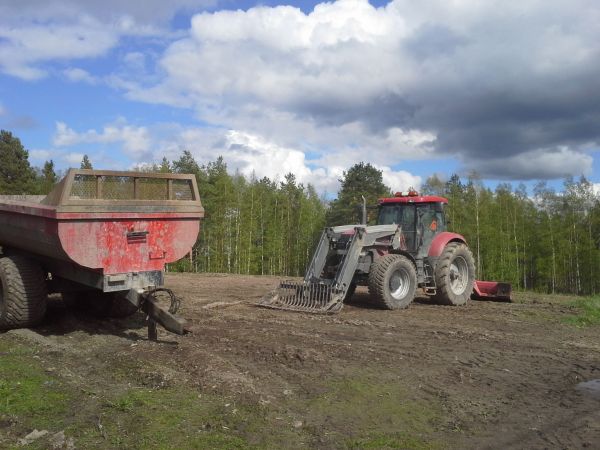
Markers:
112,235
108,230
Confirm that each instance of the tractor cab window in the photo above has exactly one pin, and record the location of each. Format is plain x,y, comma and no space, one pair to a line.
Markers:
420,222
389,214
430,221
402,214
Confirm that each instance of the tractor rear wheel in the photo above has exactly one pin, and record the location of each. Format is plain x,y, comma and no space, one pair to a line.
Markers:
392,282
455,274
23,293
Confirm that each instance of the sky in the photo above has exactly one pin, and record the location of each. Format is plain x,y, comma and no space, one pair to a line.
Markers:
507,90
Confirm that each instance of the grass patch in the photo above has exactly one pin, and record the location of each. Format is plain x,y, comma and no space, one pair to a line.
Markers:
588,312
172,418
401,441
109,410
119,405
365,411
27,392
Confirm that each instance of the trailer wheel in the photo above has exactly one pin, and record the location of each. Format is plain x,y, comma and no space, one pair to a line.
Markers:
22,292
392,282
455,274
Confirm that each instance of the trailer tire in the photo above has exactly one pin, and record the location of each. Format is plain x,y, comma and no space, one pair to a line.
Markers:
23,292
393,281
455,275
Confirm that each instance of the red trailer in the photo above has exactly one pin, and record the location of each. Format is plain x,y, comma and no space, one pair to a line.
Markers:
103,236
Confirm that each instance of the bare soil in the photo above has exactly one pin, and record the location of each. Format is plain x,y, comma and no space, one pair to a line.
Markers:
486,375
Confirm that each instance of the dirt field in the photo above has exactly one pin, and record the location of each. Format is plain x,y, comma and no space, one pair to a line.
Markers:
488,375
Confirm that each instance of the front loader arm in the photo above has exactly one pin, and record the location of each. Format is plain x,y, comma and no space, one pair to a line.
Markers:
318,293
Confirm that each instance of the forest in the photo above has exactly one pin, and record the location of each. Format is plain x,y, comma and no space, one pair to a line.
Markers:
540,240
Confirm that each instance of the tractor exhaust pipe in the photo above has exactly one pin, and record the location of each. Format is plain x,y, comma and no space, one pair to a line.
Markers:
364,210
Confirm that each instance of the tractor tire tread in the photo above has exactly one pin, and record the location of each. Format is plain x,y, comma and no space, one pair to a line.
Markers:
24,292
377,282
444,294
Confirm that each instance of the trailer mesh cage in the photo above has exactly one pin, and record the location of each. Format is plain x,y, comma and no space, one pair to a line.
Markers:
87,190
130,187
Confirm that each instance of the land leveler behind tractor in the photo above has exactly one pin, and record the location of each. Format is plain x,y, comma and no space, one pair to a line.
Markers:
409,248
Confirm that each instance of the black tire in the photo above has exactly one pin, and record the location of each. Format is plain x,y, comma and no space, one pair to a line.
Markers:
455,275
393,282
23,294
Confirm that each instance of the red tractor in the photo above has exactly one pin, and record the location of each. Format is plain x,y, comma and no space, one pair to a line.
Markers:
409,248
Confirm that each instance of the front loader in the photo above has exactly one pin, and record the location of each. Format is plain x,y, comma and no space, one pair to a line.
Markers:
409,248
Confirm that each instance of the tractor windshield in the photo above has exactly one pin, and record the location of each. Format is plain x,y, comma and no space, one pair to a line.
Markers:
420,222
391,213
404,214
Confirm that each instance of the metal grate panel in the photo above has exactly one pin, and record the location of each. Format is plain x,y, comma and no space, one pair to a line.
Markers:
117,188
84,187
182,190
152,189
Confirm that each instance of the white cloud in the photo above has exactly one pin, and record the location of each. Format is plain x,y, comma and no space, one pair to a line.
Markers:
253,154
400,180
495,85
38,155
247,153
135,141
75,74
73,159
36,33
596,188
142,11
467,79
22,47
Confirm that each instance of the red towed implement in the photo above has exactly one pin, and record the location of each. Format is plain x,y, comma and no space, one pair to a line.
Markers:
101,237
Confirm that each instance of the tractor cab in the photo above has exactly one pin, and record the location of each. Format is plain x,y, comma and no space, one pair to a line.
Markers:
421,217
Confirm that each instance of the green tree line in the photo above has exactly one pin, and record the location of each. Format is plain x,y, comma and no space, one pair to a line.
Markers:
17,176
541,240
252,226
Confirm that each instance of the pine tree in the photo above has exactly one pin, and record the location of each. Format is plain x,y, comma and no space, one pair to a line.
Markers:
165,166
48,177
85,163
16,175
360,180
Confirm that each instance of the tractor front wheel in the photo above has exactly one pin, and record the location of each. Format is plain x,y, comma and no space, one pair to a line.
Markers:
393,281
455,274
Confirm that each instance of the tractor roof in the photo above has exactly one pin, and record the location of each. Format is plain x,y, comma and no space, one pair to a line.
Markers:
413,197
